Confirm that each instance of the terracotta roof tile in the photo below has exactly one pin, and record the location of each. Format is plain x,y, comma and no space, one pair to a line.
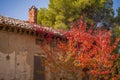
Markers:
24,24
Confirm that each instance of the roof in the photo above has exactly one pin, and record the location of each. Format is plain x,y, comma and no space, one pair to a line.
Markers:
16,23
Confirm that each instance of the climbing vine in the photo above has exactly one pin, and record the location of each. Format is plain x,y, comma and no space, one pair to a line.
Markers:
85,51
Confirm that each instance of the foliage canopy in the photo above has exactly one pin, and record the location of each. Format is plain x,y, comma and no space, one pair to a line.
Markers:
88,50
60,13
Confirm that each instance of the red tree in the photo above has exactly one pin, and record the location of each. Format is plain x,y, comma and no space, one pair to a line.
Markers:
88,50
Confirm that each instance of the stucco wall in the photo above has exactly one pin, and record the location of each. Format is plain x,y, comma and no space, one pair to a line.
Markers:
16,56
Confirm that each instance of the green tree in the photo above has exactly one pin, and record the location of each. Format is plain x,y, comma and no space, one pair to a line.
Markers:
117,19
60,13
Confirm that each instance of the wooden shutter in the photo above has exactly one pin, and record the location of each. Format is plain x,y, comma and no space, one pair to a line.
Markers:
39,68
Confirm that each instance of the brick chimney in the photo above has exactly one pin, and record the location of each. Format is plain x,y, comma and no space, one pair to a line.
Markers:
33,15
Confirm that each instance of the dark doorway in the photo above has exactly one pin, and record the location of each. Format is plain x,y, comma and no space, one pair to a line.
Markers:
39,68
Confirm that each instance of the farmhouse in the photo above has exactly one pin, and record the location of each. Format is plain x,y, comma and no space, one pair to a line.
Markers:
20,54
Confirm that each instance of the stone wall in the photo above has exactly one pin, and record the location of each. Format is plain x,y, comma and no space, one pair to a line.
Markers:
14,67
17,56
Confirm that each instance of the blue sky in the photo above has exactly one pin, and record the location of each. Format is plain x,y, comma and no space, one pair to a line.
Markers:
116,5
19,8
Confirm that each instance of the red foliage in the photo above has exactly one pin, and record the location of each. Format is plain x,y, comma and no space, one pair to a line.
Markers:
92,49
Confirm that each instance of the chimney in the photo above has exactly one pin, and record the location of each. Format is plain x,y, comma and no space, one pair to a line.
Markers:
33,15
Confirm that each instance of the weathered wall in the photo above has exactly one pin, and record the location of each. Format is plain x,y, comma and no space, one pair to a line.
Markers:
14,67
16,56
